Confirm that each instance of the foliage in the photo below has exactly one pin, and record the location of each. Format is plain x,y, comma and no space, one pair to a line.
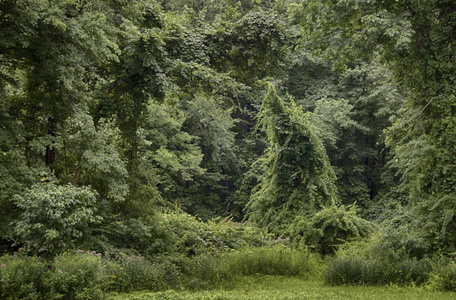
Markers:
253,48
54,218
396,253
167,158
135,273
275,260
298,178
416,41
77,276
350,110
443,277
328,228
192,237
358,270
113,111
210,120
92,151
432,202
82,275
173,235
91,275
22,277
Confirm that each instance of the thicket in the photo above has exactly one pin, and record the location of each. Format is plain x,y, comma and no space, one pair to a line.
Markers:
202,255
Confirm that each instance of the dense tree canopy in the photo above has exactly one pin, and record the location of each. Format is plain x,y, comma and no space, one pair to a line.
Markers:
281,112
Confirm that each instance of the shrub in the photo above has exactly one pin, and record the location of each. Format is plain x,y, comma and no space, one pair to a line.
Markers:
21,277
146,236
137,273
173,234
387,257
90,275
83,275
193,237
329,228
77,276
443,277
54,218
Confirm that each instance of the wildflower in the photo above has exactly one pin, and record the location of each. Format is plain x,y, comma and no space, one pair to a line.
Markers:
3,265
60,271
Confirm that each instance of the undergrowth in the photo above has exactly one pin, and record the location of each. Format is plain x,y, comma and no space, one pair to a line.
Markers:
89,275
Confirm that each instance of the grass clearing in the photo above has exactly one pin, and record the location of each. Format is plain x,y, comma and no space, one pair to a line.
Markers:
278,287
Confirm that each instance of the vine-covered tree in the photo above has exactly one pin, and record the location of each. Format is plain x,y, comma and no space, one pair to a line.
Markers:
298,178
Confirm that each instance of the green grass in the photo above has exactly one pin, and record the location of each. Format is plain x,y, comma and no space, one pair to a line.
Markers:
277,287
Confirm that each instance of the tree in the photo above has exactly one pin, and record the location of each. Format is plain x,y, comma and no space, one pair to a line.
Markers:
417,40
350,109
52,55
298,178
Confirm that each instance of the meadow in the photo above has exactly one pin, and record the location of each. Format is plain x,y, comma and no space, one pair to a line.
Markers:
279,287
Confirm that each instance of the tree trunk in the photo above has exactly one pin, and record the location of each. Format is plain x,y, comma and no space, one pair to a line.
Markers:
50,150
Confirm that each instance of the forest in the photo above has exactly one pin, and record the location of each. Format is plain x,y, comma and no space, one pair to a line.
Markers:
158,145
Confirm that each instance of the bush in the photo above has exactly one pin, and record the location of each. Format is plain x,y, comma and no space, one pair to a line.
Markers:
137,273
83,275
175,234
443,277
54,218
192,237
389,256
91,275
145,236
329,228
77,276
21,277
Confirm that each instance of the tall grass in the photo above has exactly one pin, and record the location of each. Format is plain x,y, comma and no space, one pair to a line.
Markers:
272,261
364,271
213,271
